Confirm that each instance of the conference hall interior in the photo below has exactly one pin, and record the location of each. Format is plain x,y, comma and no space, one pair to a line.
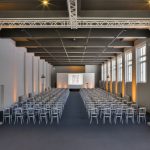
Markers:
75,74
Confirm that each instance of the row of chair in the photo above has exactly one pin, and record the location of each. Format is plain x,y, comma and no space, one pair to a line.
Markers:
44,107
100,104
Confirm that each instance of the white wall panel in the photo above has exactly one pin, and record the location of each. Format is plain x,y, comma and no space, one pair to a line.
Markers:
11,70
50,78
35,75
62,80
89,80
28,68
47,75
40,74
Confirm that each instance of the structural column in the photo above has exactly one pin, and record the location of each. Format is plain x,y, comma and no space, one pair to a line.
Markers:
110,76
33,75
116,82
123,74
134,74
25,85
106,76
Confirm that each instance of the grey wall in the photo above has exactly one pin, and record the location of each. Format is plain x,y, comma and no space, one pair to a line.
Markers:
94,69
113,87
119,87
128,89
143,89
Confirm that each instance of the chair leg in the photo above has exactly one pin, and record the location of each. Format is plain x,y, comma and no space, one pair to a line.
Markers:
138,119
51,119
103,120
97,120
21,120
110,119
144,118
34,120
27,120
9,120
90,120
39,120
133,119
57,119
15,121
3,119
114,120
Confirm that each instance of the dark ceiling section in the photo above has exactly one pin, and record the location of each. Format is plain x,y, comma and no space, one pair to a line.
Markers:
32,5
114,5
84,5
69,47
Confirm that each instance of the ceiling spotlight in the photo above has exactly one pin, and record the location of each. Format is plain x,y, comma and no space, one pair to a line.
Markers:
45,3
148,2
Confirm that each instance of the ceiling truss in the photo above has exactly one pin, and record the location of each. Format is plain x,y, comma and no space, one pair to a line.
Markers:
72,9
81,22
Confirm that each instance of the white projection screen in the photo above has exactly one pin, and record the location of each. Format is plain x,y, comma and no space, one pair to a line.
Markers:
75,80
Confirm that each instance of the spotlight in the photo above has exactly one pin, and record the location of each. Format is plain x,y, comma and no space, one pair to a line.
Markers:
45,3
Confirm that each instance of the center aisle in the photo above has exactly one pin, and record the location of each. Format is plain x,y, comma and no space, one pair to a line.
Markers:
74,113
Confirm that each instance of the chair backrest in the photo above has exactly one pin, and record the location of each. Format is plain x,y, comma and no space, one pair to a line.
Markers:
93,110
30,111
142,110
130,111
18,111
124,106
6,111
118,110
55,110
43,111
107,111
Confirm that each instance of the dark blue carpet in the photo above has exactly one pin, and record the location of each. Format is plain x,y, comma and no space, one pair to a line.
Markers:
74,133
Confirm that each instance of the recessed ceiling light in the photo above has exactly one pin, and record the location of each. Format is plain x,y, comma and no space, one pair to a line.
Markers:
148,2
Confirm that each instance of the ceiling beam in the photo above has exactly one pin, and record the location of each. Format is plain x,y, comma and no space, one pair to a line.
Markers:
72,59
75,58
115,13
80,33
83,14
76,64
76,54
74,44
75,50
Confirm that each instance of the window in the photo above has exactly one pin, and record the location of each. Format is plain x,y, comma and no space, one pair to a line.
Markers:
102,72
113,70
105,71
119,66
129,66
141,64
108,75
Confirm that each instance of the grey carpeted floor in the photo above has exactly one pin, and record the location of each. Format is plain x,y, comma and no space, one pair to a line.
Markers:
74,133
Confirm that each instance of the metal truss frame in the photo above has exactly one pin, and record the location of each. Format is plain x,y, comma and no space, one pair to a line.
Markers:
81,22
72,9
